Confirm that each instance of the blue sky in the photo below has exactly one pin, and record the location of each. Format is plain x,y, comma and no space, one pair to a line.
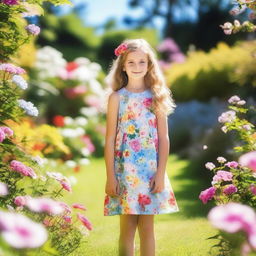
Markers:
99,11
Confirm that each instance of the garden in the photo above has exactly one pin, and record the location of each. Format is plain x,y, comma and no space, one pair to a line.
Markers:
53,100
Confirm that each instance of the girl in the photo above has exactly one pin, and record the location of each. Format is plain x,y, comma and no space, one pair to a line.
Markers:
137,146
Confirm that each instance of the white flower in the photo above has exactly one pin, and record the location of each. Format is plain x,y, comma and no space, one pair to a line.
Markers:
237,23
3,189
227,116
81,121
29,107
20,82
210,165
84,161
205,147
39,160
241,102
72,133
89,111
234,99
85,151
49,62
70,163
221,159
68,120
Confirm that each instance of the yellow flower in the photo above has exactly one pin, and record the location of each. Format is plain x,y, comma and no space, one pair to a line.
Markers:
131,129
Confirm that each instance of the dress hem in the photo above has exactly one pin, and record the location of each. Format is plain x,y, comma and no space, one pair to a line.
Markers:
159,213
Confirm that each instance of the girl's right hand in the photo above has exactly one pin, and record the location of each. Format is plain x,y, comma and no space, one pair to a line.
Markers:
112,187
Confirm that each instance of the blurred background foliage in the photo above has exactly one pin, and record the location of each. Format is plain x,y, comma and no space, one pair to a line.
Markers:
203,66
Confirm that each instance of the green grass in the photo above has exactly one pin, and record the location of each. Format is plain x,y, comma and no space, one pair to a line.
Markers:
183,233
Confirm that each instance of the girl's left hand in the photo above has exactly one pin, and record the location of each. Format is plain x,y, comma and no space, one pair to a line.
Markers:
157,183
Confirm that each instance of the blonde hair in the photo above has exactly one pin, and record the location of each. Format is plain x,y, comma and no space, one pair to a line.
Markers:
154,79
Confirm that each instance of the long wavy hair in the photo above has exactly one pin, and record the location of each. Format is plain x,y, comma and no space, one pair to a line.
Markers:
154,80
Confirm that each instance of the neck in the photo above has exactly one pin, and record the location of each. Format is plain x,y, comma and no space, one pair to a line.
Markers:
136,84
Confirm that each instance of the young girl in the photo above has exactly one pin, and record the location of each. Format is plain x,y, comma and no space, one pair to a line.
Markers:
137,146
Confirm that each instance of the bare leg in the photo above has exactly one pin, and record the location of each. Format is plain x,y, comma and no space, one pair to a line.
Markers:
128,225
147,236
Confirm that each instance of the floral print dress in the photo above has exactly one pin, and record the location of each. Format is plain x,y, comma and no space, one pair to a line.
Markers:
136,158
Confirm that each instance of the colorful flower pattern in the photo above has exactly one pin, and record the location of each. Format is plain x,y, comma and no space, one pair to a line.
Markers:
136,158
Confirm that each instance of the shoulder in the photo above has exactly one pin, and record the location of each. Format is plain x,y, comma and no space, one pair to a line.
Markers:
114,97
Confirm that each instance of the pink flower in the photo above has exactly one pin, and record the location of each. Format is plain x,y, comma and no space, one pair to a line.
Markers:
144,199
67,219
222,176
33,29
210,165
21,200
21,232
79,206
7,130
135,145
85,221
249,160
44,205
232,164
12,69
3,189
74,92
230,189
10,2
93,101
121,49
66,208
207,194
234,217
88,142
2,136
253,189
22,169
66,185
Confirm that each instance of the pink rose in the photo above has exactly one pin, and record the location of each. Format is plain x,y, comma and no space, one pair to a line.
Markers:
121,49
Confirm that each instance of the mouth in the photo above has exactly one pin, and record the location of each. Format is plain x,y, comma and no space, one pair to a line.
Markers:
136,72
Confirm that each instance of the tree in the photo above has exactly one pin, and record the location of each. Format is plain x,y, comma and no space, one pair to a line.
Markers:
209,14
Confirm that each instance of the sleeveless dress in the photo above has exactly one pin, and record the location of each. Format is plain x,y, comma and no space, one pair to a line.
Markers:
136,159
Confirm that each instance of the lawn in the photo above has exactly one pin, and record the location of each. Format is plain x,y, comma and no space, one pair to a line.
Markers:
183,233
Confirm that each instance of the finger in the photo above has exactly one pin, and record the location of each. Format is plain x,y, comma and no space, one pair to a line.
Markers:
152,184
153,190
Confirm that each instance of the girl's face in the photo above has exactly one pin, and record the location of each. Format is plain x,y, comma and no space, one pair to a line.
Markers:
136,64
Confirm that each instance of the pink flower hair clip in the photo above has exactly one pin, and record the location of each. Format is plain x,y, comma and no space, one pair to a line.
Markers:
121,49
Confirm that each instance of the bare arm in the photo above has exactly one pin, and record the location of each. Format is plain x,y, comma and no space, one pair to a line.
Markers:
111,127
